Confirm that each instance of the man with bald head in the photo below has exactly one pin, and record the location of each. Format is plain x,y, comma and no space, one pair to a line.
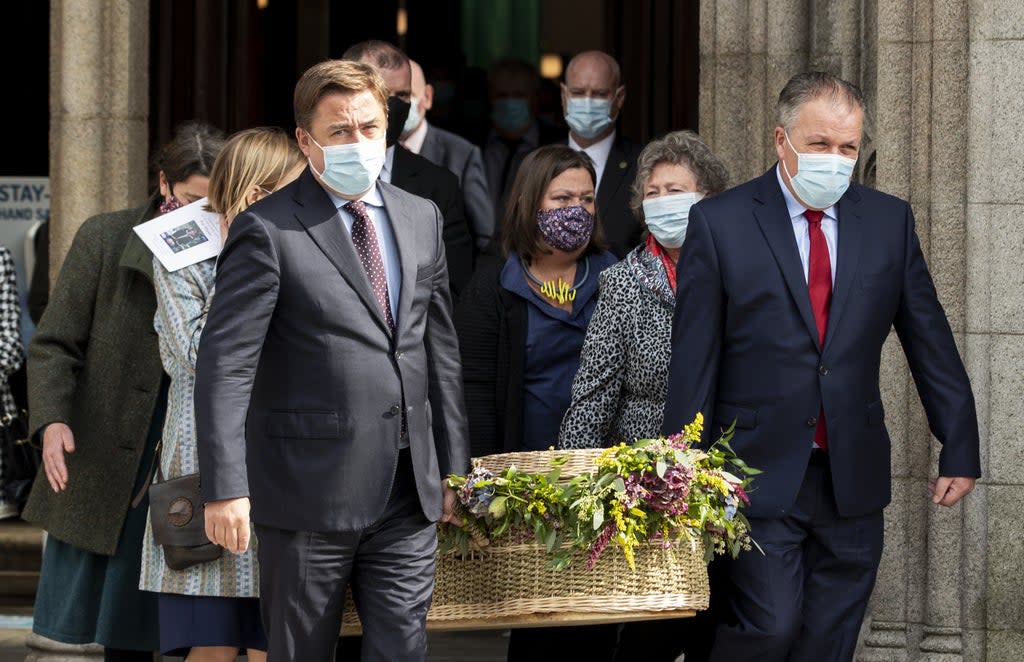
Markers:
452,151
791,285
592,98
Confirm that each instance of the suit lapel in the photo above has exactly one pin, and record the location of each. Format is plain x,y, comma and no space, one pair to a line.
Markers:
403,226
847,258
323,223
615,169
773,217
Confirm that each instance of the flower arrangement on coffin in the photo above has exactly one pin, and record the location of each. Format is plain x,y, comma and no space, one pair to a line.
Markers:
661,490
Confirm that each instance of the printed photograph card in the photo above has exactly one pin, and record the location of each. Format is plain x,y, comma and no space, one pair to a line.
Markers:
184,236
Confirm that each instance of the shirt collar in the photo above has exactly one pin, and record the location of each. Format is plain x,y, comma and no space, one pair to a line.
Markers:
371,197
414,143
599,151
793,205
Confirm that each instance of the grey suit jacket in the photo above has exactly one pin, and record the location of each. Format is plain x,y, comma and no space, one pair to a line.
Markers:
299,382
465,160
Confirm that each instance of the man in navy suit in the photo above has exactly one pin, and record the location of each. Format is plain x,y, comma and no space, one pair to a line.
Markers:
791,284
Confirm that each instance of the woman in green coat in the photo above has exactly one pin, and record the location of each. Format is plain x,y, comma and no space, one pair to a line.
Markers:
97,397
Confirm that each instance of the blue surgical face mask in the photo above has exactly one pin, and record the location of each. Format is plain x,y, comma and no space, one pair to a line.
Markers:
353,168
511,113
821,179
588,116
667,217
414,118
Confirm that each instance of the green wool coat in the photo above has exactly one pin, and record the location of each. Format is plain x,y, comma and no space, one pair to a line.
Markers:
94,364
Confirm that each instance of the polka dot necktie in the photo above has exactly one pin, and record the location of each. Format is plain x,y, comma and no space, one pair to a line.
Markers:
364,237
819,286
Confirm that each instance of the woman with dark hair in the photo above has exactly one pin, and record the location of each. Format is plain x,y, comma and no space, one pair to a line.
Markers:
619,391
97,396
521,322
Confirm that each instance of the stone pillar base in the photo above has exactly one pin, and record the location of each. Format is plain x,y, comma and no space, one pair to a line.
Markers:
885,642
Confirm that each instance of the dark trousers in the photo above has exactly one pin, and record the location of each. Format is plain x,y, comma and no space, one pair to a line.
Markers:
664,640
593,643
303,577
803,600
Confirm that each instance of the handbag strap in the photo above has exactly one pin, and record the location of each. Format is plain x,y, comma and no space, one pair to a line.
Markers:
154,467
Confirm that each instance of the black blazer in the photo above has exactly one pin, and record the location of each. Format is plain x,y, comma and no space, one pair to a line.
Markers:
419,176
621,227
300,382
745,345
488,316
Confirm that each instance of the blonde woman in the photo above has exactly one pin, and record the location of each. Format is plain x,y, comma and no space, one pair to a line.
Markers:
209,612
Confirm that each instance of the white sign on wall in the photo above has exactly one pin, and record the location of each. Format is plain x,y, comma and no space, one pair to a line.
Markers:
24,205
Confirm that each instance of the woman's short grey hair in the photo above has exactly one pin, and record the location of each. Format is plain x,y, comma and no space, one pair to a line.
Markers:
815,85
684,148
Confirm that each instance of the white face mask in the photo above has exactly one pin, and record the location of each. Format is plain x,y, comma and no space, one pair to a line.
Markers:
353,168
821,179
413,120
667,217
588,116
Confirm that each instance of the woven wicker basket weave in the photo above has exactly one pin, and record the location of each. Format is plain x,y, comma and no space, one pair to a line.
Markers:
512,585
578,461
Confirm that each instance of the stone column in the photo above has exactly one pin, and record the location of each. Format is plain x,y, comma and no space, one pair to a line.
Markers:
99,115
749,48
994,538
99,112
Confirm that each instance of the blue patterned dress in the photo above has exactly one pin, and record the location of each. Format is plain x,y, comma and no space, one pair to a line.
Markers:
183,298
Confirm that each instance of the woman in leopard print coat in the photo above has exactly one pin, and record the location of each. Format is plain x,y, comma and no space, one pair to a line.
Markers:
619,391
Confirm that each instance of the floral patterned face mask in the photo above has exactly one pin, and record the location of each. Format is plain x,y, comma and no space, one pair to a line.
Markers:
565,228
169,204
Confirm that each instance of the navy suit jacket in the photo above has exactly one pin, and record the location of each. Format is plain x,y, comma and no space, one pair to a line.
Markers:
745,345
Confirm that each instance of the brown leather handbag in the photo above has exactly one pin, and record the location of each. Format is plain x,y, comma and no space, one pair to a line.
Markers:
176,515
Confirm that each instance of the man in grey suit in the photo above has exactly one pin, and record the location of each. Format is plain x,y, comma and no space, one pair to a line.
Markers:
453,152
328,386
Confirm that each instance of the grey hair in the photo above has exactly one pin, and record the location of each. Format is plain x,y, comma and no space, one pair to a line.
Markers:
683,148
815,85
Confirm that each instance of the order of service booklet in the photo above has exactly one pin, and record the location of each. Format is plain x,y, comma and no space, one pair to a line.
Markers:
187,235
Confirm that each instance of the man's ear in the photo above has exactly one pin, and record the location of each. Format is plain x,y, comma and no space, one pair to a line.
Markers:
619,99
427,98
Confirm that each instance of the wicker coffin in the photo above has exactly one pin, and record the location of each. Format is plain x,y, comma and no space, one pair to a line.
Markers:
513,585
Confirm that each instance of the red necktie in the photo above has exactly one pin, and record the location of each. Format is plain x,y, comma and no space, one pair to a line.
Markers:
364,238
819,286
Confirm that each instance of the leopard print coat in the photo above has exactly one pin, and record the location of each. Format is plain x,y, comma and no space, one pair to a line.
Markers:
619,391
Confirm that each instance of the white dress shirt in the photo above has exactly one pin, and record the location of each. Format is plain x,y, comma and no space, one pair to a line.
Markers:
598,153
829,226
